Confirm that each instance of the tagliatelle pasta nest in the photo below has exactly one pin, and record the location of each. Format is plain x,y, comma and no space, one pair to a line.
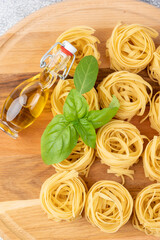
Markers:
154,66
146,215
151,159
63,196
82,38
61,92
131,47
131,91
108,205
119,145
81,159
154,115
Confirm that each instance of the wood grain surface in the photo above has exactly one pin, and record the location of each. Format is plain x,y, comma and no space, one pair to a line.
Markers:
22,171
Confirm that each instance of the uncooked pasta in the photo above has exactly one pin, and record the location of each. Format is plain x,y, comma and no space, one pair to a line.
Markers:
154,66
151,159
80,159
119,145
108,206
63,196
146,215
82,38
131,47
131,91
154,115
61,92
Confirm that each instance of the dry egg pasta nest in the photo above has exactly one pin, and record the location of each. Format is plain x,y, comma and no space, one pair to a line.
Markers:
154,66
63,196
151,159
131,47
119,145
108,205
61,92
131,91
146,214
154,115
81,159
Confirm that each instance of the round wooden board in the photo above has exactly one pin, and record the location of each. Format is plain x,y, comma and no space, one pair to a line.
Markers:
22,171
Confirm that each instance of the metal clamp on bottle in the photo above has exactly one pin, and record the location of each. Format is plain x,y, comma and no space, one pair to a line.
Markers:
66,48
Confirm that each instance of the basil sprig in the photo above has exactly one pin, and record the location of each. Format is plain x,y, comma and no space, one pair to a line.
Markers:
62,133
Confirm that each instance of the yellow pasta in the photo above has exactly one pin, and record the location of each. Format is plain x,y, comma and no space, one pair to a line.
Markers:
108,206
154,66
154,115
63,196
82,38
146,215
80,159
131,47
61,92
151,159
119,145
131,91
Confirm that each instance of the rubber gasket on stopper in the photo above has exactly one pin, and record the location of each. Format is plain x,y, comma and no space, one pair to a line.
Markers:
66,51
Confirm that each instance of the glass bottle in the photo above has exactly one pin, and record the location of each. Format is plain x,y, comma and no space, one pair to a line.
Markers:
27,101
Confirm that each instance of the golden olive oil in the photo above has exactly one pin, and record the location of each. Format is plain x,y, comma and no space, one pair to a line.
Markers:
24,104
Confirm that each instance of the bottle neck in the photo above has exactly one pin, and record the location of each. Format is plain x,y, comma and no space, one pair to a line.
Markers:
54,69
46,78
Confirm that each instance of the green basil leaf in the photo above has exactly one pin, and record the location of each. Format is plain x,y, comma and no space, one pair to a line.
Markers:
86,132
75,106
58,140
114,102
86,74
100,117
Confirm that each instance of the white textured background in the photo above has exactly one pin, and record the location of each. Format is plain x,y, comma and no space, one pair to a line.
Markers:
12,11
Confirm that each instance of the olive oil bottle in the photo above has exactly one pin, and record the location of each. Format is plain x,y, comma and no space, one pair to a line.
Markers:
27,101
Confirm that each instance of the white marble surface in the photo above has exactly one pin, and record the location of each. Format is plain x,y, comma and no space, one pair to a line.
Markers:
12,11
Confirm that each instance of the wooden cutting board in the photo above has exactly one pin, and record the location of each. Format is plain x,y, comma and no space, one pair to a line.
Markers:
22,171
